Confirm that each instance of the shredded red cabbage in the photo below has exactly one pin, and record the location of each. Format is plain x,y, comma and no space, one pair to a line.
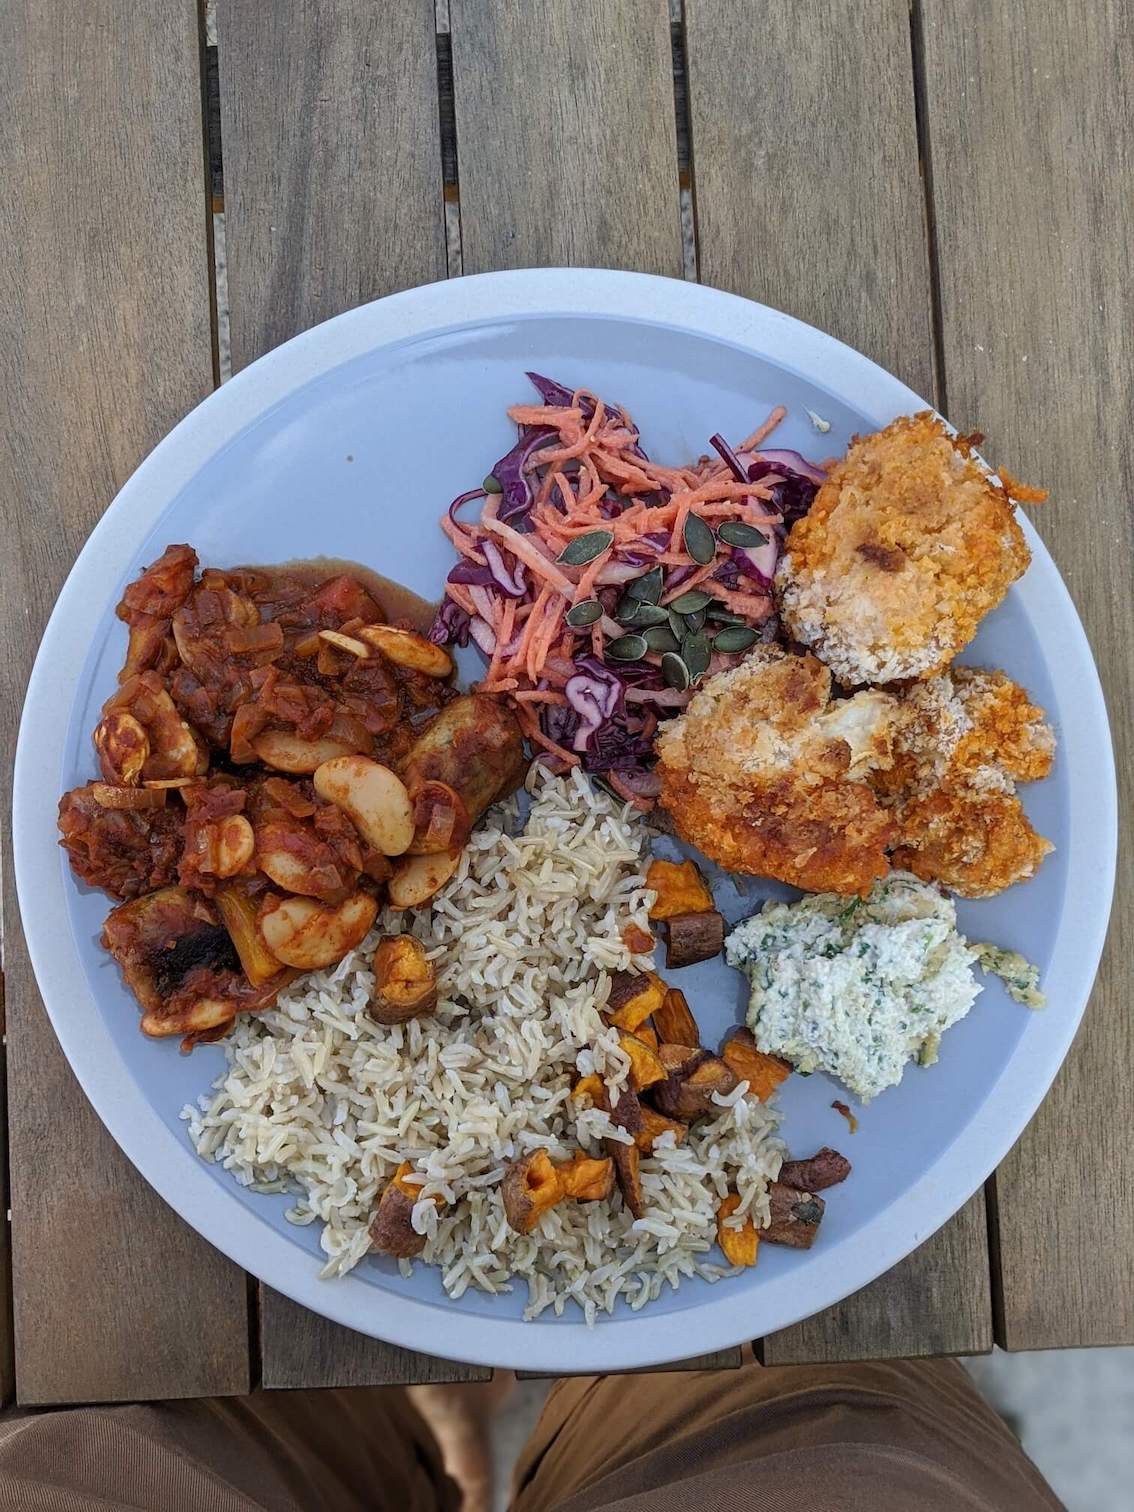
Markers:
555,394
729,457
611,708
796,494
450,625
517,497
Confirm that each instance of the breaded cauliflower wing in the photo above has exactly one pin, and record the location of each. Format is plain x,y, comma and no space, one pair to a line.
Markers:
764,773
908,545
962,741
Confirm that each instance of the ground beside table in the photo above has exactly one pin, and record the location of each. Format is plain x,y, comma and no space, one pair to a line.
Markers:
950,196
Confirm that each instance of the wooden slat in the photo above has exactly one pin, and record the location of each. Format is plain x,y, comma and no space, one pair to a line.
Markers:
332,160
333,196
720,1359
805,168
936,1302
300,1348
1031,123
105,287
808,198
7,1351
566,136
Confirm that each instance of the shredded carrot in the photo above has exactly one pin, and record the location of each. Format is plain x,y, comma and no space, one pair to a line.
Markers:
544,414
540,695
532,558
522,657
503,636
762,432
585,587
588,474
755,605
460,596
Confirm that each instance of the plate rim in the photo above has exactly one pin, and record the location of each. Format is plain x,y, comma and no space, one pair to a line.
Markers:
169,1164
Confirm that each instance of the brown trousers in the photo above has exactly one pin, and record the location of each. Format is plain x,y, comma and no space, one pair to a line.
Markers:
905,1436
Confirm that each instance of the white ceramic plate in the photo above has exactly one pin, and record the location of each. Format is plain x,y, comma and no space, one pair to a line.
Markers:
349,441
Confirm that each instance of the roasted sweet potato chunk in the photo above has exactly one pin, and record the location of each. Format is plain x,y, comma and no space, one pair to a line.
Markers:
763,1073
694,1075
675,1022
647,1034
587,1178
826,1168
739,1244
693,937
628,1169
637,941
627,1112
591,1086
391,1227
680,889
796,1216
633,998
530,1188
653,1124
405,984
645,1064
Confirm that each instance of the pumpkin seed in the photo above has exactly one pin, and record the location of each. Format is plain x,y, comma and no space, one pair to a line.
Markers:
584,613
723,616
700,542
690,602
627,648
677,624
737,533
648,587
695,621
627,611
695,654
650,614
734,638
661,638
674,671
585,548
492,484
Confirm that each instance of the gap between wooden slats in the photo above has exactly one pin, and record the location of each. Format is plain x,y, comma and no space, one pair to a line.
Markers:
1030,121
808,198
571,159
333,196
113,1296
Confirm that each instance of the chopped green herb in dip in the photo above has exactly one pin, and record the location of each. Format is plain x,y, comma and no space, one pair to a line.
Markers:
1017,973
856,987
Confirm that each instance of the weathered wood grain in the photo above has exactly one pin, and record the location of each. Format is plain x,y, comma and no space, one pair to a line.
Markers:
300,1348
104,286
935,1302
7,1349
333,196
719,1359
808,198
805,168
566,136
332,160
1030,119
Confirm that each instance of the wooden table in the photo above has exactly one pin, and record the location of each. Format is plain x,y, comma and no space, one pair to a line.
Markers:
949,191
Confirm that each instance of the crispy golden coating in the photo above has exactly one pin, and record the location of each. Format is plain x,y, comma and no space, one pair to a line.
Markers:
908,544
961,743
976,844
764,774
